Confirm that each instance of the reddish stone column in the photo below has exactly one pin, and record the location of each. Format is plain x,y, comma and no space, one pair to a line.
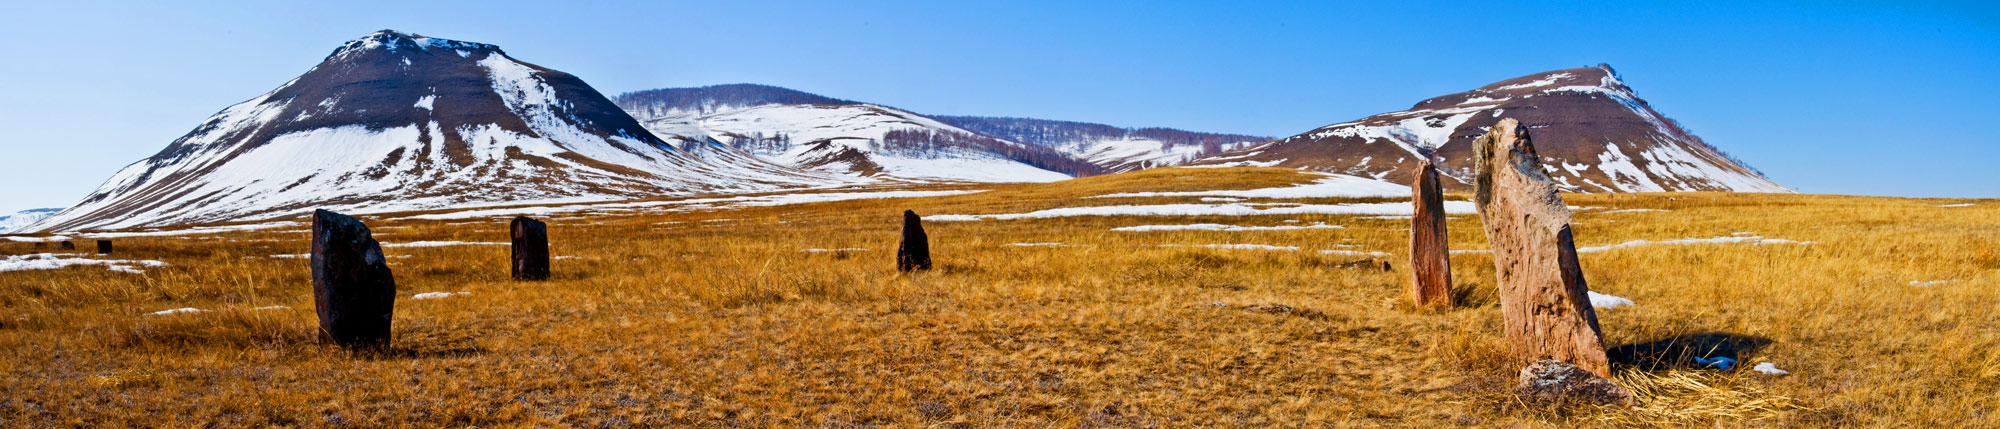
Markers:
1542,291
1430,250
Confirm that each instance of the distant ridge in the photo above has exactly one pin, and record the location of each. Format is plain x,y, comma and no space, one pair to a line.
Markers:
800,129
653,103
1595,134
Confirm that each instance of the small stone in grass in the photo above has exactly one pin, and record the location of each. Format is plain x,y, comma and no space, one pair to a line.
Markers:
1550,380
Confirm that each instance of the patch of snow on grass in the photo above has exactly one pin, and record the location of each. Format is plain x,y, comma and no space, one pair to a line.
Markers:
721,202
436,295
1220,227
1769,369
1235,246
1333,186
1353,253
52,238
187,310
1455,207
1751,239
1920,283
443,243
1957,205
1631,211
194,230
1607,301
51,261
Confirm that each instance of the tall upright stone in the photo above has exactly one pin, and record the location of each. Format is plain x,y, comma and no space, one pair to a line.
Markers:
103,247
1542,293
68,245
531,249
1430,250
352,287
914,253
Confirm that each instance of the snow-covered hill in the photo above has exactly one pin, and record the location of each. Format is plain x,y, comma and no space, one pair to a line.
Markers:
1595,133
13,222
394,121
864,140
1113,148
806,130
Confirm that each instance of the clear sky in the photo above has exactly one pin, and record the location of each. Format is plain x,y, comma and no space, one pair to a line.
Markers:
1885,98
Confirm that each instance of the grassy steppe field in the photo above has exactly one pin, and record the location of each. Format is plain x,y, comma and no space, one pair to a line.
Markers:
720,318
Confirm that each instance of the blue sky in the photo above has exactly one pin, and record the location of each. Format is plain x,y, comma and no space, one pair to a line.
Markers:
1874,98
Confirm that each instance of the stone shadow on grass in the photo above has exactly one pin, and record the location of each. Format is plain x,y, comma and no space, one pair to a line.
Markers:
1680,352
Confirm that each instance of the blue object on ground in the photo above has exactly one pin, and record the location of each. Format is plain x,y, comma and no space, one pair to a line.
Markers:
1718,363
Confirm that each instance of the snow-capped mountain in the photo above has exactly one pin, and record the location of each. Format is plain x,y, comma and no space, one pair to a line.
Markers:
829,135
810,131
1595,133
1115,149
13,222
395,121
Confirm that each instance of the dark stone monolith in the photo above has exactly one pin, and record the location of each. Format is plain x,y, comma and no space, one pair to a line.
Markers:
103,247
914,253
67,245
38,245
352,286
531,249
1430,252
1543,297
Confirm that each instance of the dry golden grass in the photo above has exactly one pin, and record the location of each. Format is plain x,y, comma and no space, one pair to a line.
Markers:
721,320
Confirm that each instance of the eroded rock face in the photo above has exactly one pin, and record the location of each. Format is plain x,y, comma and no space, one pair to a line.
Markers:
914,253
531,248
68,245
103,247
352,287
1430,251
1542,292
1555,381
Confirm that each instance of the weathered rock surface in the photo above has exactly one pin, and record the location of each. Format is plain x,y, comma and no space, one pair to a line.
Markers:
67,245
103,247
914,253
1555,381
352,287
1542,291
531,248
1430,250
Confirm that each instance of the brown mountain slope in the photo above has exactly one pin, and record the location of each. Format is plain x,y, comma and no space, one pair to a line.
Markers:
1595,133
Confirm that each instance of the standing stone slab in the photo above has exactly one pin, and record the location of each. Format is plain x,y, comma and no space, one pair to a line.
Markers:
1542,292
1430,251
103,247
68,245
914,253
352,287
531,249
